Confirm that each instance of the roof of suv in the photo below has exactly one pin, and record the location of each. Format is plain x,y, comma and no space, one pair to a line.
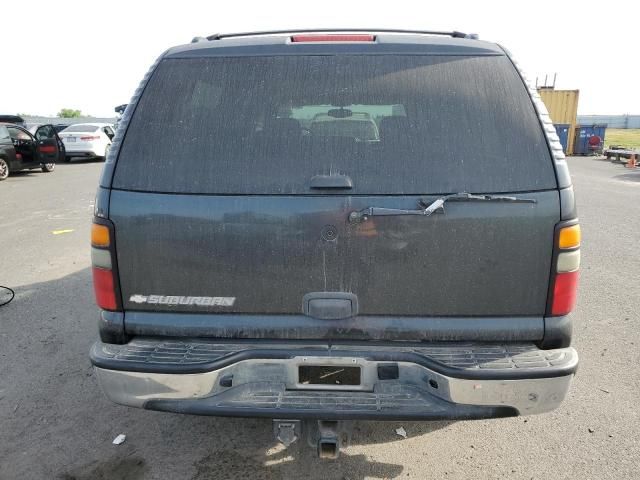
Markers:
385,41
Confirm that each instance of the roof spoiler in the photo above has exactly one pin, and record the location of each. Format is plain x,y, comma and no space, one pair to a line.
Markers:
219,36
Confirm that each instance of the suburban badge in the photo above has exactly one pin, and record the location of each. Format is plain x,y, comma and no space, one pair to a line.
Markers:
182,300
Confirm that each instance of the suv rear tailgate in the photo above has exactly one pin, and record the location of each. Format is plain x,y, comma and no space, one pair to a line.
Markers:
477,259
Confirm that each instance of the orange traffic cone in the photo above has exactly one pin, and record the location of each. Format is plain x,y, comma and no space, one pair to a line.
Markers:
632,161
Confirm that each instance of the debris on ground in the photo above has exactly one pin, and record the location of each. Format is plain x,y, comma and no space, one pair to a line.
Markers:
402,432
119,439
591,430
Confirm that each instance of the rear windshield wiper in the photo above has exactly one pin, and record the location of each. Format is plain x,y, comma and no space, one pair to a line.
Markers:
427,209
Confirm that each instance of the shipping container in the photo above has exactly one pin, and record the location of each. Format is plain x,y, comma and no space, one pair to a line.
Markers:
589,139
563,109
562,129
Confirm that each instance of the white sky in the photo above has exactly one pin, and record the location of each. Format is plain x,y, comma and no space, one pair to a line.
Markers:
90,55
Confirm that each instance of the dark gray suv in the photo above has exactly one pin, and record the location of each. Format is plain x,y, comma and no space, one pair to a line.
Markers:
325,226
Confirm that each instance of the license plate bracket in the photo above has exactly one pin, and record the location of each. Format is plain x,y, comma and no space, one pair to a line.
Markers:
325,375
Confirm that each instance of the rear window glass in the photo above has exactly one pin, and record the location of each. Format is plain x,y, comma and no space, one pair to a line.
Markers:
394,124
18,134
81,128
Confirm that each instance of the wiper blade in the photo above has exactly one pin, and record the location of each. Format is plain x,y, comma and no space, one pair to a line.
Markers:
469,197
429,209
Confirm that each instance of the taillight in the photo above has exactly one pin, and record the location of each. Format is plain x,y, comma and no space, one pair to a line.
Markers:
336,37
47,149
104,288
569,237
103,267
86,139
100,235
565,289
567,264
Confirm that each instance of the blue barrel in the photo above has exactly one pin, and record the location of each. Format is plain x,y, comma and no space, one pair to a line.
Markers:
562,129
584,144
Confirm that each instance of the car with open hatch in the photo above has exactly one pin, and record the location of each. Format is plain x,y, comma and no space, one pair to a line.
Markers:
22,150
325,226
62,151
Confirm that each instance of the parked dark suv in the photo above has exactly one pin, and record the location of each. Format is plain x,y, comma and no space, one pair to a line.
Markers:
250,264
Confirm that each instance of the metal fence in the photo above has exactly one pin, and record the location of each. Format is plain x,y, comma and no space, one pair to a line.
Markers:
612,121
67,121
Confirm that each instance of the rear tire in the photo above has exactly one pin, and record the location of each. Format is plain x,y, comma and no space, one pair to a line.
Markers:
4,169
48,167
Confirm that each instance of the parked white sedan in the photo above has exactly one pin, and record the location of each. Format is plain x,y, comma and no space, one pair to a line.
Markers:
87,139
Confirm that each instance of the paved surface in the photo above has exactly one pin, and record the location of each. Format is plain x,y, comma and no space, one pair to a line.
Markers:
55,423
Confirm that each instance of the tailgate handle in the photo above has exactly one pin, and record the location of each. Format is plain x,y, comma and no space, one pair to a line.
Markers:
330,305
331,181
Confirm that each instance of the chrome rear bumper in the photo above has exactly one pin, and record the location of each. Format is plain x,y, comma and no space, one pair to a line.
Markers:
433,382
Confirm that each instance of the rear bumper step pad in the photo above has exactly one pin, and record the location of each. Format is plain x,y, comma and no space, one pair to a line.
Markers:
467,361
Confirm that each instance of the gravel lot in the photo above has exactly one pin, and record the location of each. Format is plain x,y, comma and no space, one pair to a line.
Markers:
55,422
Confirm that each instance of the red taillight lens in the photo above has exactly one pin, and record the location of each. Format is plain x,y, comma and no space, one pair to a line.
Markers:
104,288
342,37
47,149
85,139
565,290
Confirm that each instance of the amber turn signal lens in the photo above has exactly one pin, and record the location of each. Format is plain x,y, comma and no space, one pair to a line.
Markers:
569,237
99,235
